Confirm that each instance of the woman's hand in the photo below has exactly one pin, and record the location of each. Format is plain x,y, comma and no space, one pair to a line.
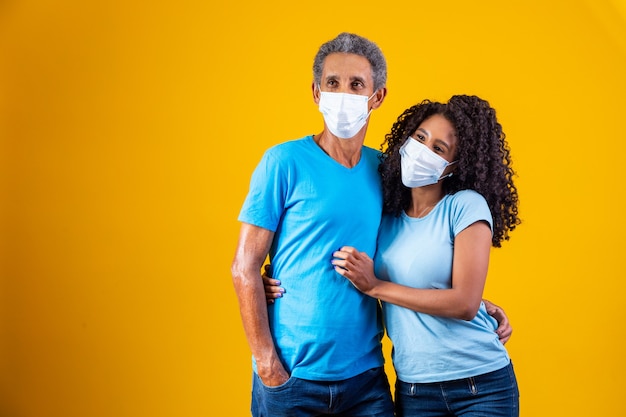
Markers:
273,290
357,267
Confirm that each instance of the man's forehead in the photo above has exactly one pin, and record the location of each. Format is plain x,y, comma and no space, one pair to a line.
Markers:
346,66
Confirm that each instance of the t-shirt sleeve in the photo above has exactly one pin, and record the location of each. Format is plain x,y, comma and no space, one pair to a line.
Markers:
265,201
469,208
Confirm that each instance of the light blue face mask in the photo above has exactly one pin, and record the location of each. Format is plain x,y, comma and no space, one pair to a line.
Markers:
420,166
344,114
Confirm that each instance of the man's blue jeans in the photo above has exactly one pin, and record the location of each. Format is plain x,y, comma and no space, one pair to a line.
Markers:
494,394
367,394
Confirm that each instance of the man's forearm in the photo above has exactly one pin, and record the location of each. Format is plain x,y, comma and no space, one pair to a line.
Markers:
253,310
253,246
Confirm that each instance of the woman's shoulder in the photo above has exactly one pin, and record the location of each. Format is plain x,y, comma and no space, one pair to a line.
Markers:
468,206
464,197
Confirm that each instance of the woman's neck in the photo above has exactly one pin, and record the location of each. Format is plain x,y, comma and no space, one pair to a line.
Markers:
424,199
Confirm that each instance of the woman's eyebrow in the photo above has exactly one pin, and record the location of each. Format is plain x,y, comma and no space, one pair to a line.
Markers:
442,143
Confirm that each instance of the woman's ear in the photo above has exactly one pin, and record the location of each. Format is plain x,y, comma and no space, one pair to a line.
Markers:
452,167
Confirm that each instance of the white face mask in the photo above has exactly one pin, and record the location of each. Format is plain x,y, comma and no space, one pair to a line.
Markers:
419,165
344,114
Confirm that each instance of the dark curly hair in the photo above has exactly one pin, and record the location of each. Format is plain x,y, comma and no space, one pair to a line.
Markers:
484,159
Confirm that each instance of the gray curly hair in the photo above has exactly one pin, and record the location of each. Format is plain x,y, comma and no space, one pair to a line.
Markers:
351,43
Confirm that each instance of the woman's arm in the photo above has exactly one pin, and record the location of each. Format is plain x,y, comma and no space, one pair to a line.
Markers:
273,290
469,273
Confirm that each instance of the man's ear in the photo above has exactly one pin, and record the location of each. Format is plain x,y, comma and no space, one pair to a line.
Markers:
316,93
379,97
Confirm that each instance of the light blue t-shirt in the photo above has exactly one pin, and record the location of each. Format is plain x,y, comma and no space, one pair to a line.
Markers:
418,252
324,329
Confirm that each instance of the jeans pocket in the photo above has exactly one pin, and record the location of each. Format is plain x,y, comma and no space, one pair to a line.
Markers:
282,387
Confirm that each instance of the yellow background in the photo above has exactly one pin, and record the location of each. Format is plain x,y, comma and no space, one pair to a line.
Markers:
130,129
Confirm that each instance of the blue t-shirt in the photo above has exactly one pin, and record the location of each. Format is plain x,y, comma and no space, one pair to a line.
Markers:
323,328
418,252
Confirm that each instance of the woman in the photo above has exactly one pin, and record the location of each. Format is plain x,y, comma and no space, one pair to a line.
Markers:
448,197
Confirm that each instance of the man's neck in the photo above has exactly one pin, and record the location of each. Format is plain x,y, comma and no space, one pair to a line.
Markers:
347,152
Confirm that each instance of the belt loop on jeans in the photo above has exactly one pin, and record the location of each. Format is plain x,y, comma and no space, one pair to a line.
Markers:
472,385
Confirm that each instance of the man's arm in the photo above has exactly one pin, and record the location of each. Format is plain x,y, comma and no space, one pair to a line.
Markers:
252,249
504,329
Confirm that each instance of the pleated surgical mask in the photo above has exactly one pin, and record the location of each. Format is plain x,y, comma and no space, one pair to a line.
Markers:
419,165
344,114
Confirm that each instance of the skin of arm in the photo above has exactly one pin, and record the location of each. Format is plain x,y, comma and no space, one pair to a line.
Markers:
504,330
252,249
469,273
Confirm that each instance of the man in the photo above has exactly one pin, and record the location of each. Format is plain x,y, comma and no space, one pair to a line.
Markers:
317,351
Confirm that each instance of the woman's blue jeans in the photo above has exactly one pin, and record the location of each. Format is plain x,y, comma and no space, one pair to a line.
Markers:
365,395
494,394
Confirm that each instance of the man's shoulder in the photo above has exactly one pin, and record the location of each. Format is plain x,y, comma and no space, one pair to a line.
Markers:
291,144
370,152
371,155
287,152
